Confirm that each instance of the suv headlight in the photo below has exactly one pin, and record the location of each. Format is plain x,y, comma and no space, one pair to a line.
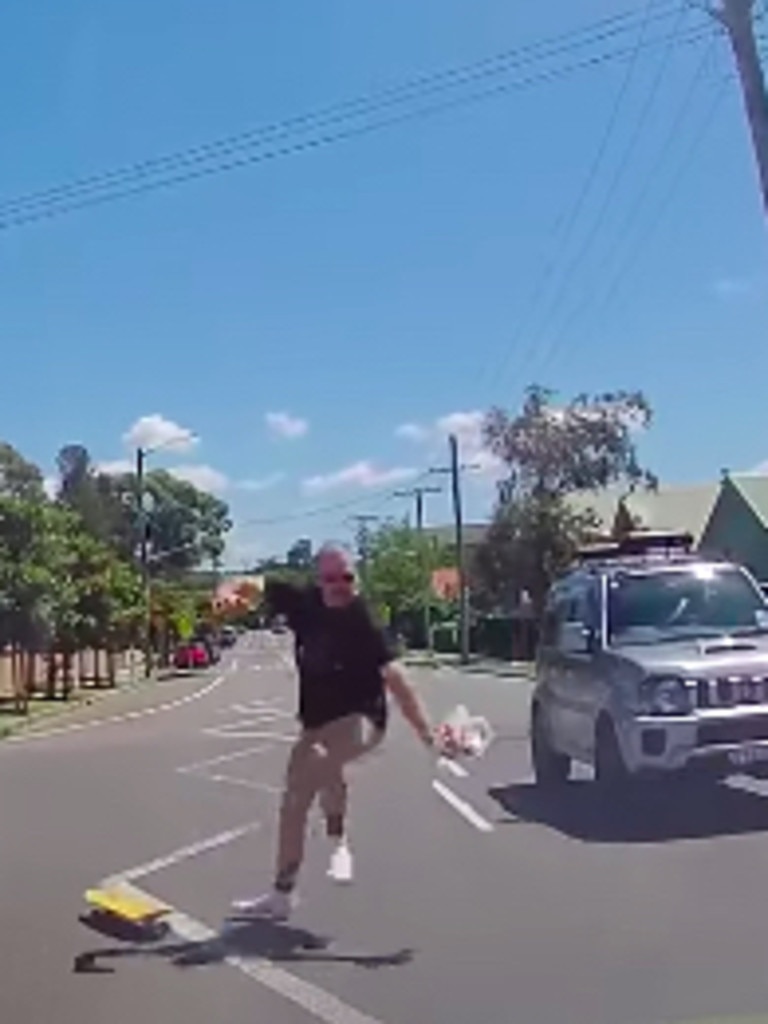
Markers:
665,695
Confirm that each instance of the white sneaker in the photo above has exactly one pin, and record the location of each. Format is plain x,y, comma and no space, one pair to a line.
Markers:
341,868
274,906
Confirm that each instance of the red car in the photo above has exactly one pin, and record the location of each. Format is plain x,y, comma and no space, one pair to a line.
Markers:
192,655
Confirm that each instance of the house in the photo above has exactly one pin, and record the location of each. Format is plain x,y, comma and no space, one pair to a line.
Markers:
727,519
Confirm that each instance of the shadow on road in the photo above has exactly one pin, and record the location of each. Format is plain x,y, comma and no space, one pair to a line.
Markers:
648,814
251,940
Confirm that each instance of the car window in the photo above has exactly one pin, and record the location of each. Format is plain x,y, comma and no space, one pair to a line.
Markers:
573,602
699,601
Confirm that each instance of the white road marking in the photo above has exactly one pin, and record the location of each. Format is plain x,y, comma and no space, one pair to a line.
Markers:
182,854
453,767
234,666
234,780
461,807
240,731
197,766
127,716
315,1001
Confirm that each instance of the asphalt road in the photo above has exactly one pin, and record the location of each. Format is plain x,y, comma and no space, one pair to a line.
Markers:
475,901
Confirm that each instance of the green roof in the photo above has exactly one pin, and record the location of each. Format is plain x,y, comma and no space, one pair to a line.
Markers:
670,507
754,490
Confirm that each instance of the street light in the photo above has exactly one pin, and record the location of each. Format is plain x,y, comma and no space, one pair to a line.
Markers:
186,437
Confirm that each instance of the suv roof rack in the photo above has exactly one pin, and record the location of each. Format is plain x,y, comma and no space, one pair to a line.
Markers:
639,544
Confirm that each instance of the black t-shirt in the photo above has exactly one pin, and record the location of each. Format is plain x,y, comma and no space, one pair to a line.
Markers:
340,653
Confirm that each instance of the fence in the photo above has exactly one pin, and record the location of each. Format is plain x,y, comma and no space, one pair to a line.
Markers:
26,674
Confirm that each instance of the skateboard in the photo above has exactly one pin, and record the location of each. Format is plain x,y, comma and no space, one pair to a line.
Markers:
143,913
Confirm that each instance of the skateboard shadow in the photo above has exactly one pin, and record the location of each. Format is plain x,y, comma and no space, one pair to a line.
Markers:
236,940
655,813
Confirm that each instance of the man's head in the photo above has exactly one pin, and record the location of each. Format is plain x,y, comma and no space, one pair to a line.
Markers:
336,575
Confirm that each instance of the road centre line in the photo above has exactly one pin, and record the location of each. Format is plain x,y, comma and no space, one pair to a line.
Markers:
182,854
315,1001
466,810
127,716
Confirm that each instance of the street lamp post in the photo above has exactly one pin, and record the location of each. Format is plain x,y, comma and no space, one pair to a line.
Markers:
184,437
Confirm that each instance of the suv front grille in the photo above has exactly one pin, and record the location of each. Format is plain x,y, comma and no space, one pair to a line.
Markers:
731,692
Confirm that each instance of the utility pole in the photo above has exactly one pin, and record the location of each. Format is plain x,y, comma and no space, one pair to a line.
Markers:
737,17
363,542
144,560
455,469
418,493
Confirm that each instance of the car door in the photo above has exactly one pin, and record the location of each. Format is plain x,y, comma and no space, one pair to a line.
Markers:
553,669
577,636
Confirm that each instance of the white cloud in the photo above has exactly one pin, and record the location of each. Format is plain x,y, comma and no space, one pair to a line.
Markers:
282,424
467,425
155,431
412,432
205,478
51,486
263,484
115,467
359,474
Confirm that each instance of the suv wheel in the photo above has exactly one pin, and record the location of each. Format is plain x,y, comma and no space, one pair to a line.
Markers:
549,767
611,772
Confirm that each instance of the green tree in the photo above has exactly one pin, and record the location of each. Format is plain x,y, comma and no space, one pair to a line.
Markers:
550,453
398,569
19,478
299,555
186,526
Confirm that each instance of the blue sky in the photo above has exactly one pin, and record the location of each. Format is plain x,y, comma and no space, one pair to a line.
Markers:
413,275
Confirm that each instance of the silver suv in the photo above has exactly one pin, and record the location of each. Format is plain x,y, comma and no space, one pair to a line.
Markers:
653,662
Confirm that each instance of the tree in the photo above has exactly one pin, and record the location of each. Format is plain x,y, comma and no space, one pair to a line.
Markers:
186,526
398,569
19,478
95,498
299,555
551,453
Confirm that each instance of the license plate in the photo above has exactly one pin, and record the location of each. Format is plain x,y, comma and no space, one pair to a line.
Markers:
748,755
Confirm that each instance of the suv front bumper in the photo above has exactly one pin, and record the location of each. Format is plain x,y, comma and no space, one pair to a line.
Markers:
723,741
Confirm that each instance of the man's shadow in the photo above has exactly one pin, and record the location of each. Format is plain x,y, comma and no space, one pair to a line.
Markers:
237,939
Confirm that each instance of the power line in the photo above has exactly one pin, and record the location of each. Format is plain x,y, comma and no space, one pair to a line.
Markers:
498,63
37,208
385,493
559,334
652,223
420,85
566,227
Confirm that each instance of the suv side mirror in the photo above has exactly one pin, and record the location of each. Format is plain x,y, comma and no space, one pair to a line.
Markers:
576,638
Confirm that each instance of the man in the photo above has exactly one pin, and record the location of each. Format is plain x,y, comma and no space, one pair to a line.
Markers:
345,669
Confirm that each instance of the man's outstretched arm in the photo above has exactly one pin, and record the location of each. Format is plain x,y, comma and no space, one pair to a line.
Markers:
408,701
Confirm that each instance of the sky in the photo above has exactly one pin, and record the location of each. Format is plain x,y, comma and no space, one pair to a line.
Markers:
301,334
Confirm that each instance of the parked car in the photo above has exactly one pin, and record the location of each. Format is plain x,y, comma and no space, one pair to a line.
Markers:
192,654
227,636
653,664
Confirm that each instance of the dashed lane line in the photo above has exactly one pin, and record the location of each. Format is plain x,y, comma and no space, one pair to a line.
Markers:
183,853
467,811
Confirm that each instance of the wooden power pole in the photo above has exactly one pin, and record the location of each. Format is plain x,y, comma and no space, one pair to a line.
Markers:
738,19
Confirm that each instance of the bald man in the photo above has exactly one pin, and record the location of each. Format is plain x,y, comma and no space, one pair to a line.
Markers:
346,667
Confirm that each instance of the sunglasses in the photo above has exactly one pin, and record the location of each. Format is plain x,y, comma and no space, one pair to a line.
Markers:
342,577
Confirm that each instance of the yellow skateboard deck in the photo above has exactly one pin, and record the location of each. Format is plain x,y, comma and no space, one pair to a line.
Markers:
130,906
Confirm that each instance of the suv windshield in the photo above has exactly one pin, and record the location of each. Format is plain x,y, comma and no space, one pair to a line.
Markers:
696,601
